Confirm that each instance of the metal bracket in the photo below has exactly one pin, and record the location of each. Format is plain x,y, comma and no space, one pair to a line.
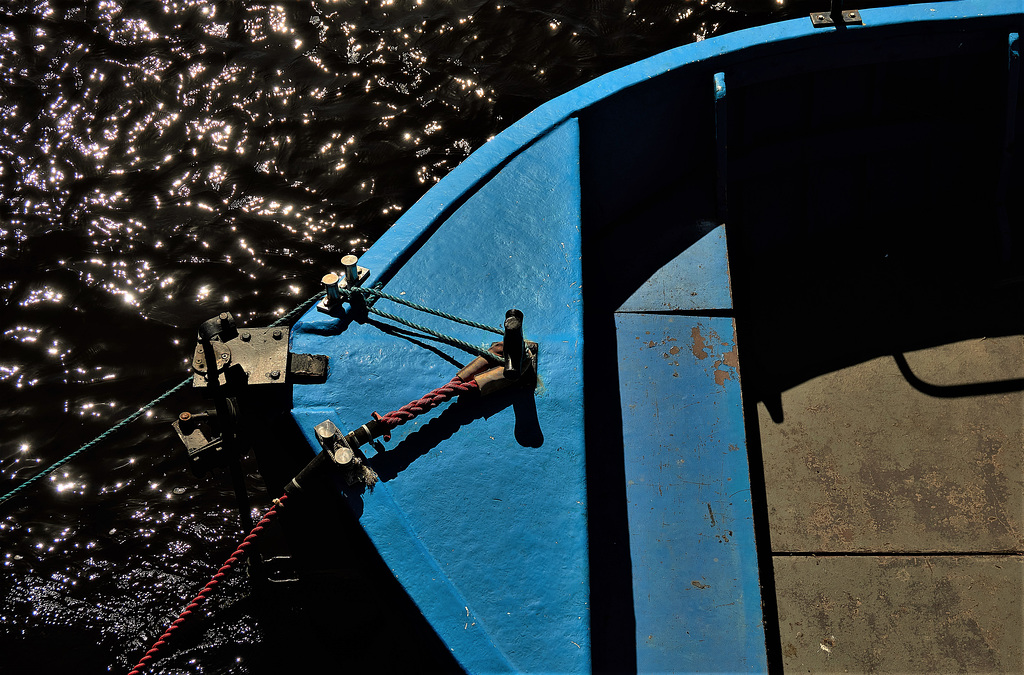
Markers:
254,356
848,17
205,449
347,458
350,276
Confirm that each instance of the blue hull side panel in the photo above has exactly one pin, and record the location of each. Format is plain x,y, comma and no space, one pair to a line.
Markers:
481,512
695,578
696,279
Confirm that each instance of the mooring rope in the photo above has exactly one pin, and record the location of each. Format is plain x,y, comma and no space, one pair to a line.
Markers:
428,402
422,308
235,557
454,341
139,413
120,425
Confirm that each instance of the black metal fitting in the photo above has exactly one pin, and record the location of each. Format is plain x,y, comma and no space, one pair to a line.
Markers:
514,345
375,428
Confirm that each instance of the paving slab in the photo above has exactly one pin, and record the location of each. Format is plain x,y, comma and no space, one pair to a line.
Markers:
919,452
907,614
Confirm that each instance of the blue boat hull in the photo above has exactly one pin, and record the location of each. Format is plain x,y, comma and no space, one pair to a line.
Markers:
609,519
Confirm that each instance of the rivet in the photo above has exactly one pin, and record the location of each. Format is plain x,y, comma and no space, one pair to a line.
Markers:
223,316
277,334
274,374
185,416
246,336
821,17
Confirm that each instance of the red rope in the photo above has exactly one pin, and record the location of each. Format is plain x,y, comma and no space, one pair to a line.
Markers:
238,555
428,402
394,418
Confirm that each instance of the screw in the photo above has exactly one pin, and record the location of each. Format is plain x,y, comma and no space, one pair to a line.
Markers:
274,374
277,334
185,416
246,336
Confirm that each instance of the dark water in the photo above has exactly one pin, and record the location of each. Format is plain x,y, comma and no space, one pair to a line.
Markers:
161,162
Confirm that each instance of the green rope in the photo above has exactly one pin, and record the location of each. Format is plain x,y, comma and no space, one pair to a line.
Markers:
139,413
471,348
298,309
444,315
123,423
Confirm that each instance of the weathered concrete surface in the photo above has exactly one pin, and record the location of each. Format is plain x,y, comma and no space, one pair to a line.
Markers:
913,614
863,461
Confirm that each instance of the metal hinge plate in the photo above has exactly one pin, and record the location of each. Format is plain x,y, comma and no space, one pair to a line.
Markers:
848,17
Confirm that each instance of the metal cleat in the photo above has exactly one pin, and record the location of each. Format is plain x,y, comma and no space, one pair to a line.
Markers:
337,285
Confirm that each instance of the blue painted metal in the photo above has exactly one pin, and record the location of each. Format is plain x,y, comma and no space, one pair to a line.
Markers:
482,510
691,535
696,279
481,513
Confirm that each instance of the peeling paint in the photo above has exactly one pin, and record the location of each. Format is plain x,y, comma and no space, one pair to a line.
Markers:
698,343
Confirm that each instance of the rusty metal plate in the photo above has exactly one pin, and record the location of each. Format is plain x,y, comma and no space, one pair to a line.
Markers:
258,352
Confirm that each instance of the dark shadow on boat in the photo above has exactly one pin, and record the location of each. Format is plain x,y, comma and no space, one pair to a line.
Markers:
390,463
419,339
323,572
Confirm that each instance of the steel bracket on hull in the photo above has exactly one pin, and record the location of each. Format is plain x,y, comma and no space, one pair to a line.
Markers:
845,17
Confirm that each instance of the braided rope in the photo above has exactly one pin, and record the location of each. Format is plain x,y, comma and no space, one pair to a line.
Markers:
428,402
436,312
298,309
455,342
123,423
237,556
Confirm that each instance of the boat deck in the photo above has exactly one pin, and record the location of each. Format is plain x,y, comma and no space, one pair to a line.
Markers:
895,507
